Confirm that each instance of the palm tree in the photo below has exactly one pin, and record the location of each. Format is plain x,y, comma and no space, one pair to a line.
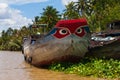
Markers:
96,11
80,7
36,20
70,12
9,31
50,16
84,7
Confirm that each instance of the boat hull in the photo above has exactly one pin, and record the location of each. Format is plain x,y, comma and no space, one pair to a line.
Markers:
109,50
68,49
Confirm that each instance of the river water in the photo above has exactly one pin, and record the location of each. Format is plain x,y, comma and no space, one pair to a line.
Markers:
13,67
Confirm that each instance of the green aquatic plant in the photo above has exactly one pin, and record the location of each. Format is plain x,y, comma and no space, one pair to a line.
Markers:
101,68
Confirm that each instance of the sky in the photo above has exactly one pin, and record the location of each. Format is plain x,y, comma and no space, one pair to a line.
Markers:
18,13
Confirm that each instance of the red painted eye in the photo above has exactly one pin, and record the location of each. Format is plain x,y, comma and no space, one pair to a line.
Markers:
80,32
61,33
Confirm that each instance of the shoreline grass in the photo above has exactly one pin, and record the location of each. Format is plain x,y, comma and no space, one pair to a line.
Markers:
100,68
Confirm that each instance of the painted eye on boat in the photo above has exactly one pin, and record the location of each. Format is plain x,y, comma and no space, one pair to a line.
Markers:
63,31
79,30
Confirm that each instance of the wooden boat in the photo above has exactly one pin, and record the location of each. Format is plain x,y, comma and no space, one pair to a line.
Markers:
105,44
67,41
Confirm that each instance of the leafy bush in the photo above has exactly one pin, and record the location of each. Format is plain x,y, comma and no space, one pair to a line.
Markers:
102,68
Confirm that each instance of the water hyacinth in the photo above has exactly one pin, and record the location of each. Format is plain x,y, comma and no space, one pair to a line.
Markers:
101,68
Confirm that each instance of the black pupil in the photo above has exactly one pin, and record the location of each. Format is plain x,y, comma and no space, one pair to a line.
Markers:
78,30
64,31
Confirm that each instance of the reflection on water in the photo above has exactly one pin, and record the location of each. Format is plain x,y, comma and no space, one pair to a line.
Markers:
13,67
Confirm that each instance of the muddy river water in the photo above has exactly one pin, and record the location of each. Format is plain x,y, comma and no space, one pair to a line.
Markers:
13,67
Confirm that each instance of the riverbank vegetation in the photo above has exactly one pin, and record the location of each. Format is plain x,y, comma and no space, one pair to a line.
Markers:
91,67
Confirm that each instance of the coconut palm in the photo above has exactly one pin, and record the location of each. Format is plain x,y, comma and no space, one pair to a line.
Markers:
49,16
70,12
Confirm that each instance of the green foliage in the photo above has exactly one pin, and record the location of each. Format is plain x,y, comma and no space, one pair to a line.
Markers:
103,12
100,68
11,39
97,12
70,12
49,16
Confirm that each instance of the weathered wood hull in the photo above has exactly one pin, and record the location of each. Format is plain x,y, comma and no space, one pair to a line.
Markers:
67,49
109,50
